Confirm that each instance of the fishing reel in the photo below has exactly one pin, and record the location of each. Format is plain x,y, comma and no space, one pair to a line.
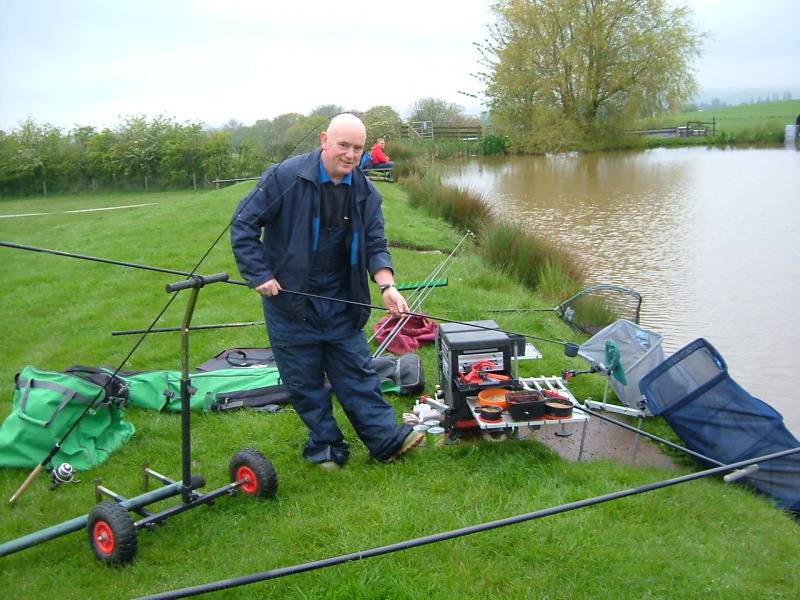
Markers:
62,474
568,374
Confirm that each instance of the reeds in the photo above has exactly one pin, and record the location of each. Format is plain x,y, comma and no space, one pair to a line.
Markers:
529,256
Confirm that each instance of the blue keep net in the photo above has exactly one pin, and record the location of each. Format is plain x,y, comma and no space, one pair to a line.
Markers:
715,417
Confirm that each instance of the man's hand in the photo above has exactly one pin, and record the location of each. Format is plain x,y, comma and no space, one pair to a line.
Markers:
395,302
269,288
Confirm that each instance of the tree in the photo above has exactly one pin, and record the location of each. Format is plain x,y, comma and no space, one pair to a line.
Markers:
217,158
438,111
561,71
303,136
326,110
278,140
381,122
103,156
140,146
182,155
35,157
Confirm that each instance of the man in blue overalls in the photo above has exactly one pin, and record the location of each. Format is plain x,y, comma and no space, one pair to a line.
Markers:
313,224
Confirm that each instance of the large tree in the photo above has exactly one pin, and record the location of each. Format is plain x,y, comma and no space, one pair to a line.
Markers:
438,111
381,122
560,71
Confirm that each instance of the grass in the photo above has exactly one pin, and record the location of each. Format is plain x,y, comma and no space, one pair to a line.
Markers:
461,208
762,122
703,539
532,259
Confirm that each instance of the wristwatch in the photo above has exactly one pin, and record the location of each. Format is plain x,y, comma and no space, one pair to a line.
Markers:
386,286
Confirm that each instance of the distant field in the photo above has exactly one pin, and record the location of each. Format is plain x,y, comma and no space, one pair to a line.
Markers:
735,118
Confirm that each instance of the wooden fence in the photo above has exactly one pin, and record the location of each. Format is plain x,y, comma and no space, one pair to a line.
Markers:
691,129
458,132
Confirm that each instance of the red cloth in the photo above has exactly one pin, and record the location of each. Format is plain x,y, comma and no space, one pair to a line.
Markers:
378,155
416,332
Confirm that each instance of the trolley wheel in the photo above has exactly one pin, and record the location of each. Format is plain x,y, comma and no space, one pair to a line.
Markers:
253,465
112,534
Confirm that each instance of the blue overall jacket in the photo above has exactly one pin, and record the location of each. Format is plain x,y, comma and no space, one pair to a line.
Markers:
275,229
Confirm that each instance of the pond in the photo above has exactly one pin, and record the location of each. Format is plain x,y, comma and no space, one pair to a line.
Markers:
709,237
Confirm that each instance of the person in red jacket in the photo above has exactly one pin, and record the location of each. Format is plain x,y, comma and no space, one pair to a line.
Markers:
379,158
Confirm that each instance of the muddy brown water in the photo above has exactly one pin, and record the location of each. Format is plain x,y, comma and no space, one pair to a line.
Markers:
709,237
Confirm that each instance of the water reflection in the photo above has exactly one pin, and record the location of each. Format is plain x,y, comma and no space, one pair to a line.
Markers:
709,237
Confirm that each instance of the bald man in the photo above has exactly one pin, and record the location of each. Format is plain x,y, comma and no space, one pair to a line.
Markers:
313,224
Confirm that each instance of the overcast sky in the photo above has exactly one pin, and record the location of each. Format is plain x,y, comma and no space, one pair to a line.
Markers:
91,62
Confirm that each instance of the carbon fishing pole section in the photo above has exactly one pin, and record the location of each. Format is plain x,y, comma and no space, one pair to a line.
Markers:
570,348
105,260
737,470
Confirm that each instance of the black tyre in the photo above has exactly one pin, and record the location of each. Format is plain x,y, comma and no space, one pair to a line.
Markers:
112,534
257,469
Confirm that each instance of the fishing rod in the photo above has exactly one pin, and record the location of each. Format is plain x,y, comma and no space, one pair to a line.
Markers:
190,328
570,348
429,282
651,436
738,469
198,278
595,288
106,260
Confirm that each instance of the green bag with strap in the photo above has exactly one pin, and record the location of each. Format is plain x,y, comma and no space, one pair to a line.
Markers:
47,403
221,389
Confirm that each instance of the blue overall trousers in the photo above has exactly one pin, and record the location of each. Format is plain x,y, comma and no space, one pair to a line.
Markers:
327,343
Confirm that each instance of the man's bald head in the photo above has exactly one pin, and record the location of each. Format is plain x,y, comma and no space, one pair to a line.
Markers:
342,145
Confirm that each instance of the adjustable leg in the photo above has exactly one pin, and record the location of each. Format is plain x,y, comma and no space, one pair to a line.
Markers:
563,432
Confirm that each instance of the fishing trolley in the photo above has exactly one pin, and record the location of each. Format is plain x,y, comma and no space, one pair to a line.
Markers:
112,531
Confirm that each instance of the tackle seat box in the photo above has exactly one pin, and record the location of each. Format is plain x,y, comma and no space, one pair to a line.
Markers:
458,347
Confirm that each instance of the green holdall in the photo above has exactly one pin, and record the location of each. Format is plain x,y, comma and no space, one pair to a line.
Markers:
47,403
222,389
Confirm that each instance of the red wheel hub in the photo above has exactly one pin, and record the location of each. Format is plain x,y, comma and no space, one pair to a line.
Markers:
251,484
104,537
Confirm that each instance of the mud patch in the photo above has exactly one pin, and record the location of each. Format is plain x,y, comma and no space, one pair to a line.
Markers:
602,440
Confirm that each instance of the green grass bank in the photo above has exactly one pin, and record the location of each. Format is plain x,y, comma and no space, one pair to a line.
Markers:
763,122
702,539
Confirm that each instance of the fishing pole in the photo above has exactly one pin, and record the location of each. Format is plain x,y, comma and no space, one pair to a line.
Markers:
651,436
570,348
106,260
224,584
190,328
54,450
430,281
